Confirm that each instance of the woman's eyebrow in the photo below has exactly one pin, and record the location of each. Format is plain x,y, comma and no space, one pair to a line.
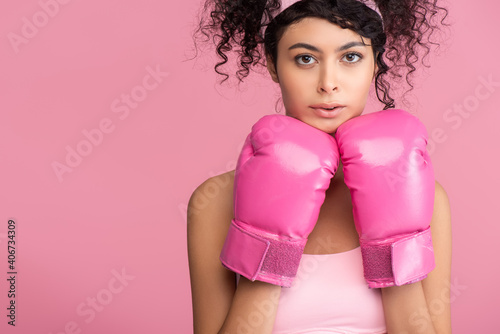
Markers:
315,49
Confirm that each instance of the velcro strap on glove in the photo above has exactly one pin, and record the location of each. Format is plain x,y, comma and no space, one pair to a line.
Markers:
260,256
407,260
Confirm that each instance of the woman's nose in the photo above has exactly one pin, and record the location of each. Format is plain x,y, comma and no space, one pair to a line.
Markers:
328,81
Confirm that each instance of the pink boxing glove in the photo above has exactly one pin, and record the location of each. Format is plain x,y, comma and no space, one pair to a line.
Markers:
281,178
391,180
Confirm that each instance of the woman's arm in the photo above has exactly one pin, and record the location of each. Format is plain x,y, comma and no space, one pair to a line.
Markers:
253,309
424,307
212,286
437,284
218,306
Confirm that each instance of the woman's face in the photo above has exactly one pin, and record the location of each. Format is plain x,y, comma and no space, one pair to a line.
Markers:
321,65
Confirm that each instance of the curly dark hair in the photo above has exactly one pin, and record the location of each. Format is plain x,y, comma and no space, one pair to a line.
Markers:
252,29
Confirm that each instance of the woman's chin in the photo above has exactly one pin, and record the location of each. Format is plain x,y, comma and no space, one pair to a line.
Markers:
328,127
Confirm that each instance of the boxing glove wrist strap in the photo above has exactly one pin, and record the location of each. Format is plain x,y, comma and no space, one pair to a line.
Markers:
407,260
262,256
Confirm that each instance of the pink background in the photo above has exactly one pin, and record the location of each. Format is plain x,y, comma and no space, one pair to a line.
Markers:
122,208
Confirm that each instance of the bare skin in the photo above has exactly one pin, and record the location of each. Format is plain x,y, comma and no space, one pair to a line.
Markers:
219,306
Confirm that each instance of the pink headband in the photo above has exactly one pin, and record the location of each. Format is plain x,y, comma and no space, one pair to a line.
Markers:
369,3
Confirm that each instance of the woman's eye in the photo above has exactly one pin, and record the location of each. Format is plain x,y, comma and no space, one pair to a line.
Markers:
304,60
353,57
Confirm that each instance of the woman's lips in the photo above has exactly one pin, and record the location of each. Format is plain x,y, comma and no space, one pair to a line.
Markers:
326,113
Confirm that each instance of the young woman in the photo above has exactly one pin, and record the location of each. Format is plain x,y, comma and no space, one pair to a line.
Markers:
324,54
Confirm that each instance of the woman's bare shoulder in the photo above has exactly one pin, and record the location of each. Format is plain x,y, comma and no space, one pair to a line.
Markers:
441,224
210,209
441,204
213,195
440,191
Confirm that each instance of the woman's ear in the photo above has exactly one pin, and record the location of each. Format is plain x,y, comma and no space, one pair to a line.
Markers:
272,69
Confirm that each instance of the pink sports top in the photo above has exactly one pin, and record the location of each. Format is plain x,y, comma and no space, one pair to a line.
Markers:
330,295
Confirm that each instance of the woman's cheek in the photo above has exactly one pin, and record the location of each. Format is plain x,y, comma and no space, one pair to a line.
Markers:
294,87
362,87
